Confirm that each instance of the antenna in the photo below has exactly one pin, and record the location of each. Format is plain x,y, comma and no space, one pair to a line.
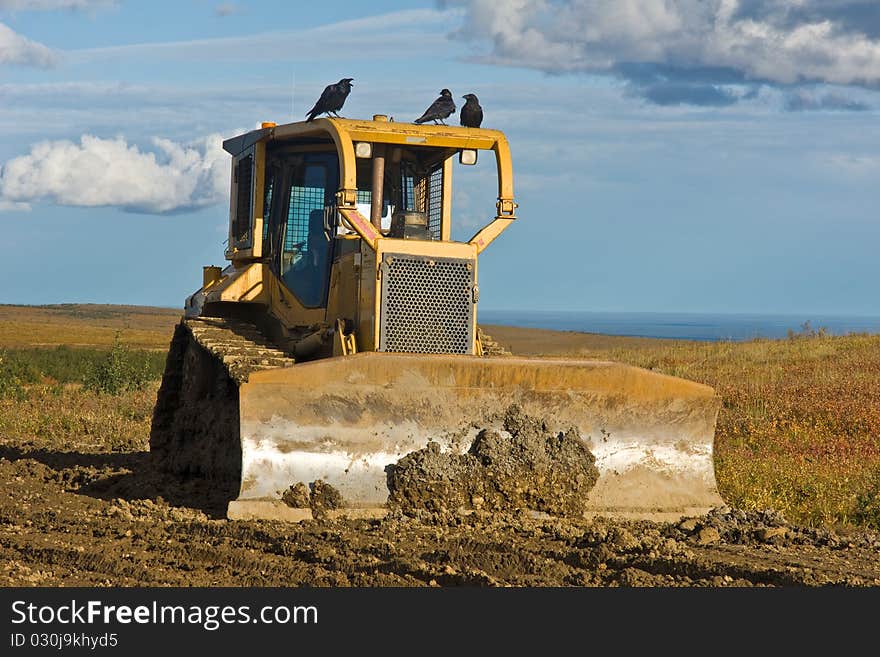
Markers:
292,90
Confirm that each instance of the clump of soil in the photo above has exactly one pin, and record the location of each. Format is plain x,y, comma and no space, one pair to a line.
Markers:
322,497
296,496
526,466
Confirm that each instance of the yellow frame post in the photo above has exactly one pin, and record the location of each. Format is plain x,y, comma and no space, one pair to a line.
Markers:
446,207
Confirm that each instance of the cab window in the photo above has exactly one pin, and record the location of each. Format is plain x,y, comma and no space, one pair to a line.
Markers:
306,247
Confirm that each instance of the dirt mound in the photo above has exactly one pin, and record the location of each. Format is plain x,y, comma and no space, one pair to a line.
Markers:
524,467
766,527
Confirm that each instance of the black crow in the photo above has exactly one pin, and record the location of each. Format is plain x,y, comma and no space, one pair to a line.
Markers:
332,99
471,112
439,109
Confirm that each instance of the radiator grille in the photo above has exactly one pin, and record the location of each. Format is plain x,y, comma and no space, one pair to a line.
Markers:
427,305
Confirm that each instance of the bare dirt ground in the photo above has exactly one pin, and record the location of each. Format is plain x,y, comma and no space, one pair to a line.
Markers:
105,519
100,515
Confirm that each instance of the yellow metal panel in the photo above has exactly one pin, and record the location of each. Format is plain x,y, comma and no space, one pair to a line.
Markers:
505,168
437,249
436,140
255,283
245,284
368,299
488,233
211,275
475,337
325,128
391,132
342,299
286,307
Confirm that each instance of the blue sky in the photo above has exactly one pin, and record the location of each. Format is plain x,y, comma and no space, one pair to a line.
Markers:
686,156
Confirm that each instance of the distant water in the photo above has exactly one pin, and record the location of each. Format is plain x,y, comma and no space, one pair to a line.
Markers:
682,326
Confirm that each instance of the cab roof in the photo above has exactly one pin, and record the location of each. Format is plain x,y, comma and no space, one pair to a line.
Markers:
380,130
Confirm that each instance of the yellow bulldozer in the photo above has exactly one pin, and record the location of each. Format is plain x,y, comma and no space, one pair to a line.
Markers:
343,336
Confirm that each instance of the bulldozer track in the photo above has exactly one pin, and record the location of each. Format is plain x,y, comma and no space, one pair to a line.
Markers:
491,347
195,428
243,348
239,345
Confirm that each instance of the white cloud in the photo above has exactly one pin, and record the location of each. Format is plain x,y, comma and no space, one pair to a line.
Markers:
16,49
577,36
111,172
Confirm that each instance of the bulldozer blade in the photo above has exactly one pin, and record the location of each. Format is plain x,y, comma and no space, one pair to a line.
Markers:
344,420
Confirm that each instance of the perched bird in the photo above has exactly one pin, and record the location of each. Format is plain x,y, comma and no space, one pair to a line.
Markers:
439,109
471,112
331,100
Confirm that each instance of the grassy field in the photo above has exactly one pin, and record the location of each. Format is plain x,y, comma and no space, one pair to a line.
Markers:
799,429
86,325
81,377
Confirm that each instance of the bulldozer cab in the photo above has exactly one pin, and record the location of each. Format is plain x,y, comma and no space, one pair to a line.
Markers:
354,220
398,177
303,232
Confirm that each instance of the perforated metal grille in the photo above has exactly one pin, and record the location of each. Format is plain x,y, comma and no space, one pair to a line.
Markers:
435,201
304,200
427,305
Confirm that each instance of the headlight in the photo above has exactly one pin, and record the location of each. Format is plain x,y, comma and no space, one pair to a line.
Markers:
467,156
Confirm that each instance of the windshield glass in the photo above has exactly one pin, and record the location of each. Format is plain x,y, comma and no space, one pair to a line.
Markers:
412,194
